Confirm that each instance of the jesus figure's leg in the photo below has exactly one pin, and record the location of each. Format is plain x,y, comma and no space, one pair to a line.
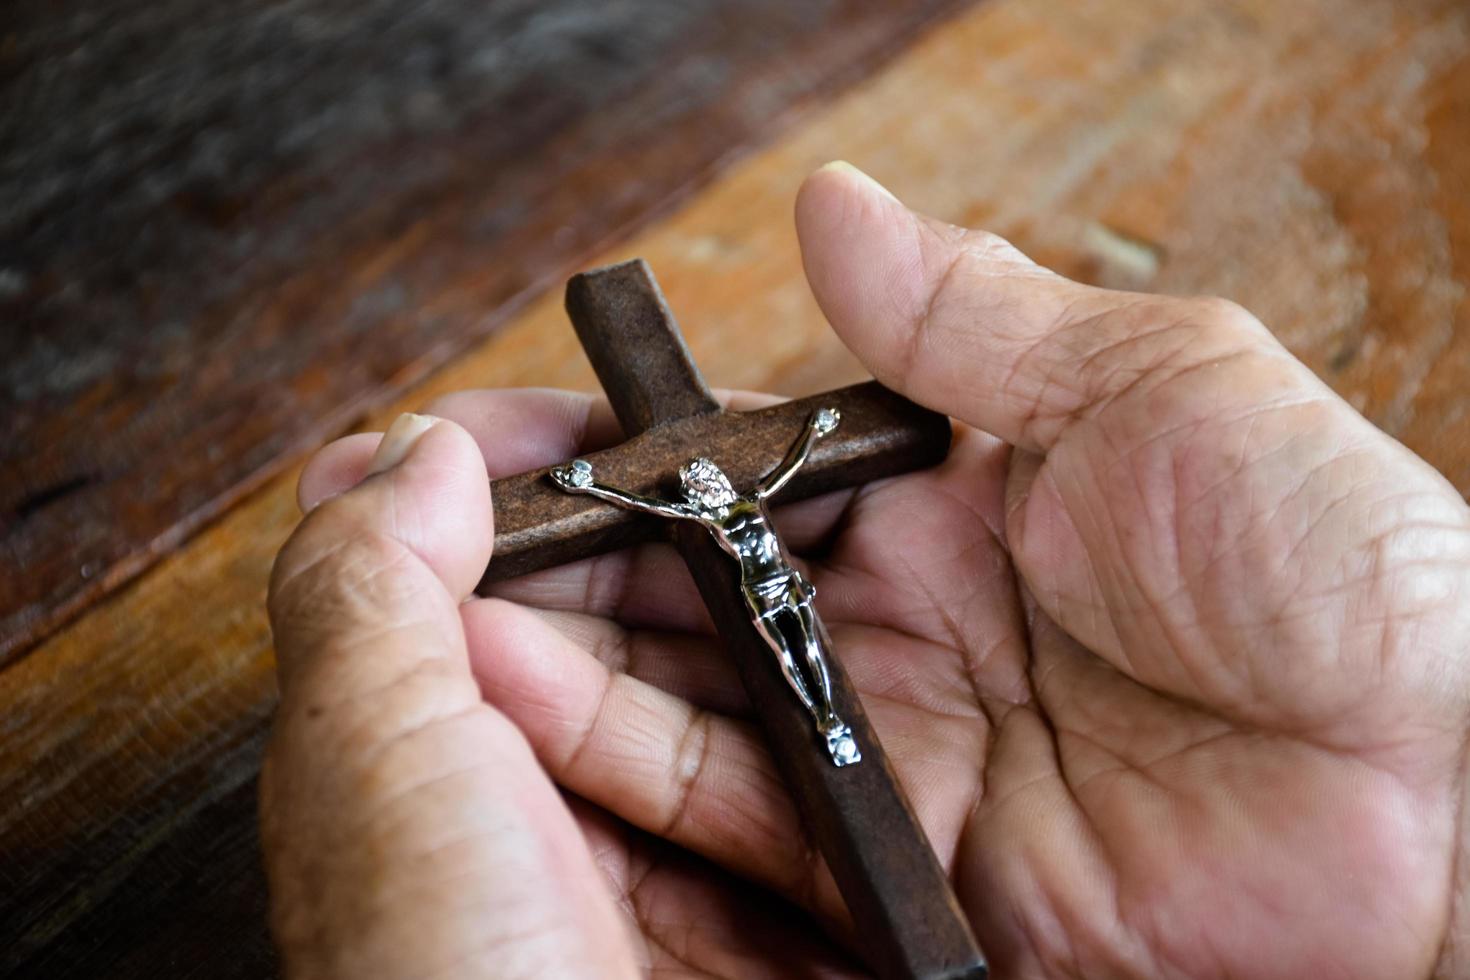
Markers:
840,743
816,663
787,622
764,620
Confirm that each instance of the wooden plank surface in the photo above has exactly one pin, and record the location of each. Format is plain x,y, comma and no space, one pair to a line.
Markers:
1309,160
227,230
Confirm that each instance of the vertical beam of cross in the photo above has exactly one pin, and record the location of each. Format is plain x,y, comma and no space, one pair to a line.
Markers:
907,918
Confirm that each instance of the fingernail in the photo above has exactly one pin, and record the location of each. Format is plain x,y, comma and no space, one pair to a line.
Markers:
400,439
843,167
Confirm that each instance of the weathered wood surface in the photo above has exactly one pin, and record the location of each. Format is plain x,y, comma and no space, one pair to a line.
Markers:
228,230
1309,159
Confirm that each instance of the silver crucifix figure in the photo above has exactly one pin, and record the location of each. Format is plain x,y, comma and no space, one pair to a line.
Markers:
778,596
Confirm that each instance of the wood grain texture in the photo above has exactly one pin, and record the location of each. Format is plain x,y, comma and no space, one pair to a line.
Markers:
255,222
1309,160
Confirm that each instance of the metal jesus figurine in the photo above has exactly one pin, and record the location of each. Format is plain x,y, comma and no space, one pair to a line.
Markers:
777,595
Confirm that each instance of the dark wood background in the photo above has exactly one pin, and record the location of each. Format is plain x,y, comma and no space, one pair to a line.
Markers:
215,255
227,230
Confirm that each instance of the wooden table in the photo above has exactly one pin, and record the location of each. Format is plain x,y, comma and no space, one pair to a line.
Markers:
188,333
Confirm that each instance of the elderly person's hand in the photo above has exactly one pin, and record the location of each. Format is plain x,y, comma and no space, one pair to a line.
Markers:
1170,655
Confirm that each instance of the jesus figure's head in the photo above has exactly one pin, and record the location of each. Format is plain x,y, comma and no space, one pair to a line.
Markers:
705,485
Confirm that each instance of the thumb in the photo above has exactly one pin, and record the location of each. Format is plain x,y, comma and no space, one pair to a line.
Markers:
964,323
407,827
388,561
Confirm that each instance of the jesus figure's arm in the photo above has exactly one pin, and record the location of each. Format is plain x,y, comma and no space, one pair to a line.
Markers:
576,477
821,422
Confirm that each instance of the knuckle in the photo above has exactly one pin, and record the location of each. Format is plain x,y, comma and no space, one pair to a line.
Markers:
332,572
1220,315
323,554
987,249
454,404
691,759
423,741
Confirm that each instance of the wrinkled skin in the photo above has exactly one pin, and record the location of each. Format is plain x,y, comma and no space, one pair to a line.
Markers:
1169,654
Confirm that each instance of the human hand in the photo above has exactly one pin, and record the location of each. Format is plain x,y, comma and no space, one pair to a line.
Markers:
1175,684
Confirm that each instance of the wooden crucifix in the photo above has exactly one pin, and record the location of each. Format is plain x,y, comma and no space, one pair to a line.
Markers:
907,918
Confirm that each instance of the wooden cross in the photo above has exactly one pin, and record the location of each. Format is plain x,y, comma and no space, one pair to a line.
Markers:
907,918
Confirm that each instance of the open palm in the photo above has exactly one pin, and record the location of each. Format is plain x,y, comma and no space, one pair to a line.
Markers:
1168,655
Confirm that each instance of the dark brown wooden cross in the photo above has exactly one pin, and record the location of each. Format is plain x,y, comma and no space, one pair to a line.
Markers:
907,919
